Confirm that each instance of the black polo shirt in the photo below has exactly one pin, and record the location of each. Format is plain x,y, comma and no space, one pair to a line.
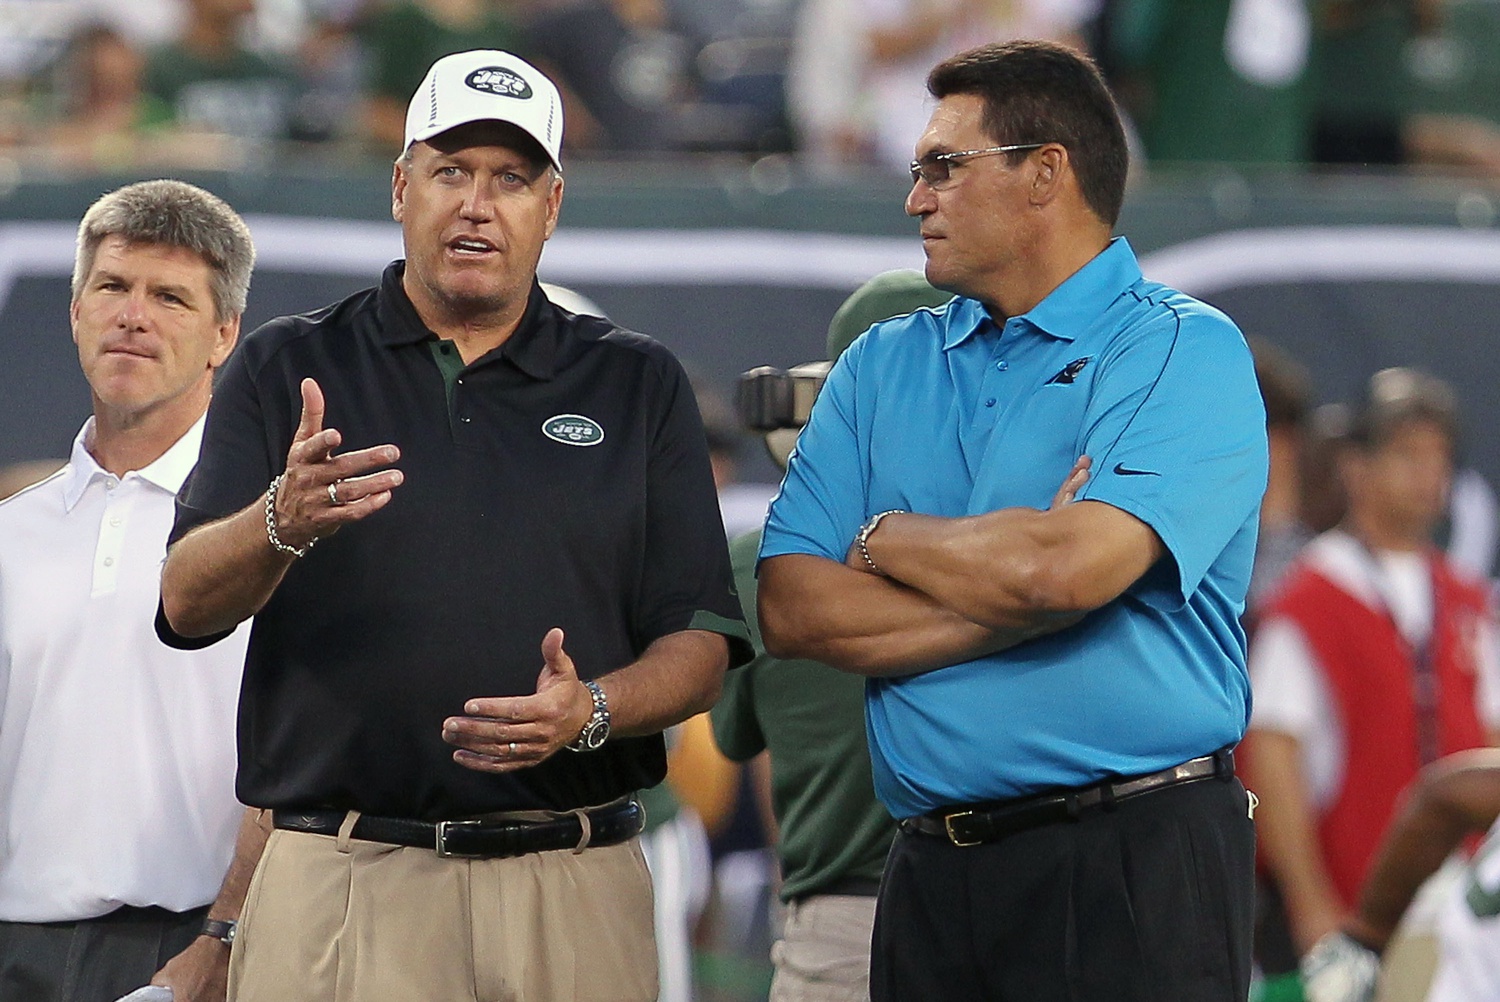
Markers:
560,480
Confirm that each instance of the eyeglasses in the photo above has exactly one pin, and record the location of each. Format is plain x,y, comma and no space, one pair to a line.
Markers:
937,168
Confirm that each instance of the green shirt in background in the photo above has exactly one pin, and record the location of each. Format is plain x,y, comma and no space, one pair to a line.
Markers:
1215,80
403,41
812,720
238,94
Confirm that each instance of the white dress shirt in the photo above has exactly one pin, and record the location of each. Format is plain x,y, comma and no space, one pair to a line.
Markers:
117,753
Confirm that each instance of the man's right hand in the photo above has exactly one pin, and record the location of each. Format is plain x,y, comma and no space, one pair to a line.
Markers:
321,492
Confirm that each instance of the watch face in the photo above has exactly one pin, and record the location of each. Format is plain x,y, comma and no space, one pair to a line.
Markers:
594,734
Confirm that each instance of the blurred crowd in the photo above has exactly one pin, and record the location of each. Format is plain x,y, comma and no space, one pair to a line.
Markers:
86,84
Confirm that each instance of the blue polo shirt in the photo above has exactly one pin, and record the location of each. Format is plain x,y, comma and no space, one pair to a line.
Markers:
945,413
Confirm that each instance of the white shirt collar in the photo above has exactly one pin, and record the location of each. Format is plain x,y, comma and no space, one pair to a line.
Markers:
1342,559
167,471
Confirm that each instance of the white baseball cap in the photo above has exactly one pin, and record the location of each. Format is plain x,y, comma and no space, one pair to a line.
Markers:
487,85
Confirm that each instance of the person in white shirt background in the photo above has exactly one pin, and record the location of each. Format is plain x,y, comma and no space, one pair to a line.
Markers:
117,758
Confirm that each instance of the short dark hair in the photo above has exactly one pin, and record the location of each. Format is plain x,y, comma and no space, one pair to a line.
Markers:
1398,396
1037,92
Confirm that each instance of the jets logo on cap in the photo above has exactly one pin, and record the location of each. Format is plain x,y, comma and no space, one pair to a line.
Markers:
500,81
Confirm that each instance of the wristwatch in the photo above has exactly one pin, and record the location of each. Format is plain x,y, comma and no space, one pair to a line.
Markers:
221,929
596,729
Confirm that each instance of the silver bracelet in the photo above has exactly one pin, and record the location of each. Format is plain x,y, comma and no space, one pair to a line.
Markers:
867,530
271,522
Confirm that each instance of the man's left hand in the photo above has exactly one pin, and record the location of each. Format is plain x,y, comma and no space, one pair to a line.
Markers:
506,733
199,973
1067,493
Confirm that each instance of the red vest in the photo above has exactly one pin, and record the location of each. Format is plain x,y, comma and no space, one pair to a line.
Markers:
1368,669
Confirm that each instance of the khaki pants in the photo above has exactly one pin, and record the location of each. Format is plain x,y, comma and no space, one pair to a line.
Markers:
342,920
824,951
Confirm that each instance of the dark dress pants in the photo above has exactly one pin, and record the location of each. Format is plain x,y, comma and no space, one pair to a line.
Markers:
1150,901
96,960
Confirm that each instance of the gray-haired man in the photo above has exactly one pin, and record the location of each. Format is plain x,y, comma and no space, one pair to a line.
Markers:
117,807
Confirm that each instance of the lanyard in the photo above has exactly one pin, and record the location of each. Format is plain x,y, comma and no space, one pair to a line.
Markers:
1424,677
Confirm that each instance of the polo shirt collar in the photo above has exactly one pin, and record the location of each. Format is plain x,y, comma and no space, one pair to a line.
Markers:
1074,306
168,471
1068,310
532,348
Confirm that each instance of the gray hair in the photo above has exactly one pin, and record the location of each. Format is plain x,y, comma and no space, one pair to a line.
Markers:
174,214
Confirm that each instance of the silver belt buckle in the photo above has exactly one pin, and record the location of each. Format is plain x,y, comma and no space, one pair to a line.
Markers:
440,842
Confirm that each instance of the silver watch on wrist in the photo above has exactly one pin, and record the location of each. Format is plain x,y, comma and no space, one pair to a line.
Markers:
596,729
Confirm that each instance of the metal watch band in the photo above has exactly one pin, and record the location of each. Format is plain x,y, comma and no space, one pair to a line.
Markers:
599,718
867,530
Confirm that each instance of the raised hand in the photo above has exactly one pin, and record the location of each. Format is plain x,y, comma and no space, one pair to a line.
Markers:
506,733
320,492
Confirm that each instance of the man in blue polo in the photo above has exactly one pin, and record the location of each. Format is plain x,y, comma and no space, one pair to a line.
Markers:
1054,693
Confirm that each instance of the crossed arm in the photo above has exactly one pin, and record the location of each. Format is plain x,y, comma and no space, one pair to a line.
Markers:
953,589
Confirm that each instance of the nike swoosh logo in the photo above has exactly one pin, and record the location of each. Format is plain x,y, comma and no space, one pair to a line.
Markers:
1123,471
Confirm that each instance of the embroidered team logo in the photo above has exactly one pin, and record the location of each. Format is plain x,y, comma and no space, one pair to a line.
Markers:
573,429
499,81
1070,371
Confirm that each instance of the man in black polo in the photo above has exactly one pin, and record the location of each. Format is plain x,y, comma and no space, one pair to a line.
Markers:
487,571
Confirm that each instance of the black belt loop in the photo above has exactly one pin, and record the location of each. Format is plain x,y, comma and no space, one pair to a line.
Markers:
1107,797
1224,763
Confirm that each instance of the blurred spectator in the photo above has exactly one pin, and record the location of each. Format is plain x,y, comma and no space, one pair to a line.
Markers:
1367,109
1453,799
330,82
404,37
212,83
1213,80
1375,657
1324,503
1287,391
619,68
101,111
1364,88
857,82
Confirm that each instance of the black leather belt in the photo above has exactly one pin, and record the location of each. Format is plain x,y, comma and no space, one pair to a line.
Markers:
481,839
978,823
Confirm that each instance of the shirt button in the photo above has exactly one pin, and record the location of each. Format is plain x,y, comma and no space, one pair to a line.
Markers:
460,381
990,402
109,561
467,420
1002,365
114,521
110,485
